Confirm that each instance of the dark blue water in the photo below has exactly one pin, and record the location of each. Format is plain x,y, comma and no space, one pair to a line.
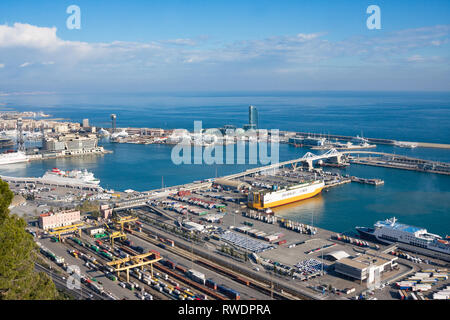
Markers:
415,198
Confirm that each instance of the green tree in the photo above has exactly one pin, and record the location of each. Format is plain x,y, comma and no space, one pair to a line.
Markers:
18,253
6,197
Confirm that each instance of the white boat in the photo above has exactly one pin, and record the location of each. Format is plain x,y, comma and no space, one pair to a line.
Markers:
74,176
390,231
403,144
13,157
360,141
103,133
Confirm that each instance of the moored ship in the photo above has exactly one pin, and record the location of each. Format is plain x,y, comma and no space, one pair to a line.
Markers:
74,176
263,199
412,238
13,157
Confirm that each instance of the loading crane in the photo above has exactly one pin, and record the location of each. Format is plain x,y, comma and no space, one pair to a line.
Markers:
115,235
123,220
67,229
137,261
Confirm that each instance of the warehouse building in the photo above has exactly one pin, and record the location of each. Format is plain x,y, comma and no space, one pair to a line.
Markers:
232,184
192,226
60,219
337,255
94,230
361,267
71,144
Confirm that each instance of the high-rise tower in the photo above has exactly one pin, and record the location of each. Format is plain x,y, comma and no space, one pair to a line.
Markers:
20,140
252,118
113,123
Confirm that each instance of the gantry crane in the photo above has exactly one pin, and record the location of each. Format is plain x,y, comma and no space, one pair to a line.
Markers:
123,220
115,235
137,261
66,229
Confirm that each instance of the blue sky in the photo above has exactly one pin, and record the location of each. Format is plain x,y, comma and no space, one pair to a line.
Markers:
224,45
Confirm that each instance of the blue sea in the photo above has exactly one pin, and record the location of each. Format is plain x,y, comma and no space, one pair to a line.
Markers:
414,198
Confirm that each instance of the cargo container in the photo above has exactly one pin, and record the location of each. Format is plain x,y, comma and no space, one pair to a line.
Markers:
100,235
230,293
281,242
156,253
96,287
349,290
421,287
129,285
242,280
211,284
112,277
196,276
171,242
128,243
106,255
77,241
139,249
180,268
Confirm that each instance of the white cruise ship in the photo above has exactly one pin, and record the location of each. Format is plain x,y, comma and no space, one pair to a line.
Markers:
389,231
74,176
13,157
360,141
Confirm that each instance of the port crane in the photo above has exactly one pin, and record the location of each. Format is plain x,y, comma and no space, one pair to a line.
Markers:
115,235
123,220
66,229
140,260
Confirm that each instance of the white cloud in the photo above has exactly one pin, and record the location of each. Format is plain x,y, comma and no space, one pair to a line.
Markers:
2,65
416,58
25,35
287,55
183,42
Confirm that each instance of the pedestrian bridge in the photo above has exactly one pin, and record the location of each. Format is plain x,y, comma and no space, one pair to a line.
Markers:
310,157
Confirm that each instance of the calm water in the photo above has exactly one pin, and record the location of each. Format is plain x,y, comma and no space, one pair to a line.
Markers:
415,198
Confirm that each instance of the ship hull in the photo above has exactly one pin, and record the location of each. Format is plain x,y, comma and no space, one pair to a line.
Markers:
367,234
12,161
314,191
13,158
69,180
71,177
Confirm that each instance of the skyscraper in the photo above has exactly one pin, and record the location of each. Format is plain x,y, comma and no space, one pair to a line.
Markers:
85,123
113,123
252,118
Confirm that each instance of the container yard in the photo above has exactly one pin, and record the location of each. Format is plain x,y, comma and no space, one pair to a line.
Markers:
210,244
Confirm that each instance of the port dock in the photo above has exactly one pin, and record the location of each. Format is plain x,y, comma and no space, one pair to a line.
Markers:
374,182
382,141
404,163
